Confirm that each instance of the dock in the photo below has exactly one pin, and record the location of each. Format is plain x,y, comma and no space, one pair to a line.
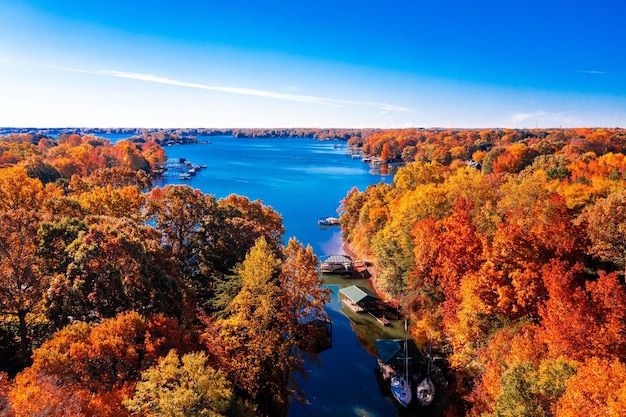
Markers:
380,319
181,168
336,264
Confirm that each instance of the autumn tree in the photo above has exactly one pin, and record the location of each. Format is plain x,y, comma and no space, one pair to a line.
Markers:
54,239
597,389
99,363
22,279
4,392
252,220
527,391
116,177
38,168
253,336
368,212
38,394
224,239
182,387
302,311
18,191
606,226
460,254
583,318
22,283
116,266
425,294
129,154
154,154
178,213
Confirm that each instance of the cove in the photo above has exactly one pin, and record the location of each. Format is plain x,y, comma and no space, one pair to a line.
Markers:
303,179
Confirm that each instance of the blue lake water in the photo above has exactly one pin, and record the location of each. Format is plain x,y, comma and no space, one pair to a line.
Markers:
303,180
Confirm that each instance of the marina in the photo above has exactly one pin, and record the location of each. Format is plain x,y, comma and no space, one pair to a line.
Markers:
181,168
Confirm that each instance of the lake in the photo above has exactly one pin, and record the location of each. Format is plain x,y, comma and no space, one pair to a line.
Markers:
304,180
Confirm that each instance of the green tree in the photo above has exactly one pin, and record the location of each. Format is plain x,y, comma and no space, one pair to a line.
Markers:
116,266
222,242
530,392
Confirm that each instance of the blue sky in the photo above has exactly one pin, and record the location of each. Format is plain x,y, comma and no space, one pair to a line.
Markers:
411,63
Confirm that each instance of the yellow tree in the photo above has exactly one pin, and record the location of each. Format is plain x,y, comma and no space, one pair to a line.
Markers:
22,283
185,387
253,336
112,201
17,190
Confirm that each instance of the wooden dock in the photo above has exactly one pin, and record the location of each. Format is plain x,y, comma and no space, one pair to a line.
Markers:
380,319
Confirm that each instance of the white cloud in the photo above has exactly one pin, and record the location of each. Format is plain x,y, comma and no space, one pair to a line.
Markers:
239,90
519,118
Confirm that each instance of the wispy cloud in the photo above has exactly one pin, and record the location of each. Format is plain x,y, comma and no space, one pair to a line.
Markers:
595,72
519,118
238,90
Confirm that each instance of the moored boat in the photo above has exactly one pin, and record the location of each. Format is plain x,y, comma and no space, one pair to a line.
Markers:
328,221
425,393
400,386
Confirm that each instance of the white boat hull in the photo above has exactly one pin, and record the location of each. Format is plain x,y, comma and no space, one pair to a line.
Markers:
425,392
401,390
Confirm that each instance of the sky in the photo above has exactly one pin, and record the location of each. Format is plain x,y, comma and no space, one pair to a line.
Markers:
328,63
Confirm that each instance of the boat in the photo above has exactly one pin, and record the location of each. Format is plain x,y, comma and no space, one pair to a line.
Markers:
400,386
425,392
328,221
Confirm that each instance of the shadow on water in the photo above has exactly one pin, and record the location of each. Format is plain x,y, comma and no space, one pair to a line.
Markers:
348,381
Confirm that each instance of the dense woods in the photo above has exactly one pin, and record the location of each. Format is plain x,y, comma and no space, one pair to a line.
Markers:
506,247
120,299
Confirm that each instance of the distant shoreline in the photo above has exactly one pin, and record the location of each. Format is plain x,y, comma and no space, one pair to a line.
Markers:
314,133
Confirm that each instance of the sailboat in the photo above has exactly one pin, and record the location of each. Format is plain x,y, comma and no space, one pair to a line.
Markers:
425,392
400,386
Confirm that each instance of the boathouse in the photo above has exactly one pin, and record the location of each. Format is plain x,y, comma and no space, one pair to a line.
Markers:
391,356
336,264
358,299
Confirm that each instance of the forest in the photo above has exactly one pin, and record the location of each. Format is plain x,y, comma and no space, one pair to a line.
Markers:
507,249
122,299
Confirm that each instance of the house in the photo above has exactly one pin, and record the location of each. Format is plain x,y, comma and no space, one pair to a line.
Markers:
391,356
336,264
358,299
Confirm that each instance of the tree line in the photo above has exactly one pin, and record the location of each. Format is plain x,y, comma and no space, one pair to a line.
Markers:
507,249
120,299
343,134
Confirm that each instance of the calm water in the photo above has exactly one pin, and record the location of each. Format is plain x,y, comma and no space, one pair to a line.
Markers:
304,180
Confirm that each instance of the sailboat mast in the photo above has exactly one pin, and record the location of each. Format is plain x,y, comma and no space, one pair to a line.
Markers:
406,352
